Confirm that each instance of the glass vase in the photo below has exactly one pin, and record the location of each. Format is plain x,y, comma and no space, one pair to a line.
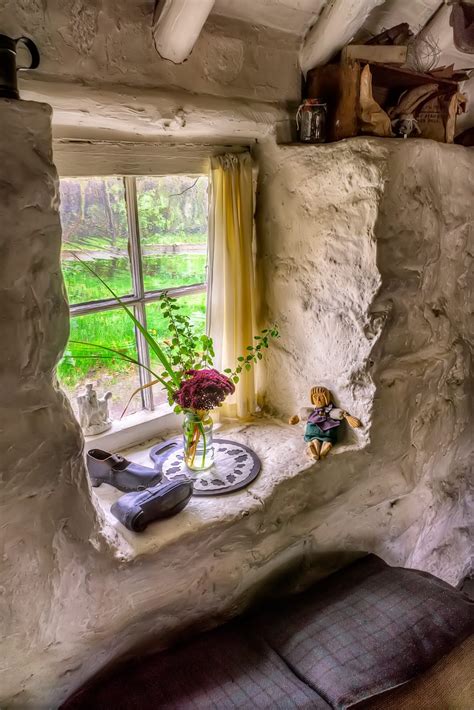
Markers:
197,440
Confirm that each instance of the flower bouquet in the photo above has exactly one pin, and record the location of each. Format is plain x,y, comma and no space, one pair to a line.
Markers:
186,373
201,391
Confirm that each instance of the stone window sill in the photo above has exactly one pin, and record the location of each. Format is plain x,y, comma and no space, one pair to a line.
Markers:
284,488
133,429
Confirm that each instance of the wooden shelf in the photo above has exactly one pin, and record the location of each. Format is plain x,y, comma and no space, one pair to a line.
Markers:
339,86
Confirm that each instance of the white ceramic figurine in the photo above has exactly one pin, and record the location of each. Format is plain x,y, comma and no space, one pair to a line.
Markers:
93,411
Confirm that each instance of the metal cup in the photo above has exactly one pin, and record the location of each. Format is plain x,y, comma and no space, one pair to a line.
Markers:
8,67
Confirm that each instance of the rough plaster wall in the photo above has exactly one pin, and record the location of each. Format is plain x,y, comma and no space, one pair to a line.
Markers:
424,374
110,42
71,598
104,79
336,223
73,595
34,323
45,501
317,213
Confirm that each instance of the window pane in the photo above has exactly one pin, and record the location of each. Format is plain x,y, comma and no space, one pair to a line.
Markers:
80,364
172,216
94,225
195,307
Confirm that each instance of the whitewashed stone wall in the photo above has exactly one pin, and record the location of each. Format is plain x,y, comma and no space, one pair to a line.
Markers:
111,43
366,255
45,499
43,478
345,252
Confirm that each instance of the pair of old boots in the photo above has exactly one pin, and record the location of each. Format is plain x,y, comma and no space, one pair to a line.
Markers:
148,496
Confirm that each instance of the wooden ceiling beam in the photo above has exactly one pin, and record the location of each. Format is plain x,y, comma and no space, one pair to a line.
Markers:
336,26
177,25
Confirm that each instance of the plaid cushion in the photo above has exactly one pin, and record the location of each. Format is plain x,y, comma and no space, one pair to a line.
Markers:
220,670
366,629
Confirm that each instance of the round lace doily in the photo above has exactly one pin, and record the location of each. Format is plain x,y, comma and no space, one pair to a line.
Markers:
234,467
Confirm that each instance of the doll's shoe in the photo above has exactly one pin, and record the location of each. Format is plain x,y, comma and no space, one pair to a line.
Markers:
325,449
312,452
119,472
136,510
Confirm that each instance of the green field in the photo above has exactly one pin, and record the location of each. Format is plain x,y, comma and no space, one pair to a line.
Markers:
159,272
115,330
100,243
172,220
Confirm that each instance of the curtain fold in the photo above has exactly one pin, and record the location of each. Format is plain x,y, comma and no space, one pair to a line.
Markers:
231,292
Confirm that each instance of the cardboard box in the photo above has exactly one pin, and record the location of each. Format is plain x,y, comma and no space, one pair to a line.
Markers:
339,86
386,54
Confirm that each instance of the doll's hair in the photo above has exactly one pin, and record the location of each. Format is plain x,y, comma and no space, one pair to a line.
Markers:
321,391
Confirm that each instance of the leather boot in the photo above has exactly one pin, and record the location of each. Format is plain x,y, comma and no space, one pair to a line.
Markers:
119,472
136,510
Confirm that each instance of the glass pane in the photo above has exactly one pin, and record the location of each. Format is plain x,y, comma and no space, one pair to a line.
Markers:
94,225
86,363
172,215
193,306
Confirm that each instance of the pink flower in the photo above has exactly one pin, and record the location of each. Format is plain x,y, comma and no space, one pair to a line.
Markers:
205,389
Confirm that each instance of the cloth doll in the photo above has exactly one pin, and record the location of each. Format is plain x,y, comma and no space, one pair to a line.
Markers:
323,423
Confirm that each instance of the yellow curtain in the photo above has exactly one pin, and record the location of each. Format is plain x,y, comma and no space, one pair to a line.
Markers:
231,294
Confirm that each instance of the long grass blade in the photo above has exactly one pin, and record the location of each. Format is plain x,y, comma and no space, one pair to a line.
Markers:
124,357
139,389
150,340
88,357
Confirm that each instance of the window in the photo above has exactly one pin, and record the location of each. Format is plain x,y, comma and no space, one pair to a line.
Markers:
143,236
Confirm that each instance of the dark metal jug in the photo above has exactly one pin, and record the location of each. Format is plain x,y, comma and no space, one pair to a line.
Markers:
8,68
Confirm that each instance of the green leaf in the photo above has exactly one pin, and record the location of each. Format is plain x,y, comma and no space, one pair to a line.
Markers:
240,358
235,379
227,369
248,366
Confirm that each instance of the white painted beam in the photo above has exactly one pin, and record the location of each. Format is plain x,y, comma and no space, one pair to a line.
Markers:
123,113
337,25
177,25
440,31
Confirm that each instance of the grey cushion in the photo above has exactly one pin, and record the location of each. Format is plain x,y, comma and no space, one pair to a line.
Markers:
220,670
366,629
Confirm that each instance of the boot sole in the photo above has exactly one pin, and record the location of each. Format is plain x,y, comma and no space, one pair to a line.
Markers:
97,482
